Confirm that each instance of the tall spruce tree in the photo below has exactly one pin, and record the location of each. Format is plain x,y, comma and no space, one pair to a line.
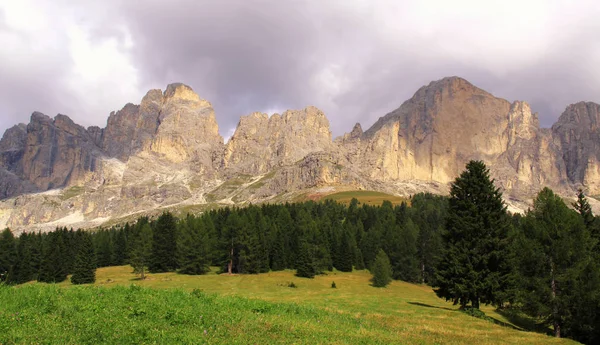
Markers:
345,252
24,268
553,253
381,270
407,265
472,268
84,270
164,245
8,255
305,265
53,268
193,247
141,249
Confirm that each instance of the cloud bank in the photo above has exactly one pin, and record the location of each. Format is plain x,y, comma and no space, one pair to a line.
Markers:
356,60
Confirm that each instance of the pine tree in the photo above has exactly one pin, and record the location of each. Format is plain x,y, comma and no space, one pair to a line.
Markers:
8,255
345,252
472,268
24,269
193,247
120,240
407,265
84,270
583,207
141,249
381,270
553,252
164,245
305,266
277,253
53,268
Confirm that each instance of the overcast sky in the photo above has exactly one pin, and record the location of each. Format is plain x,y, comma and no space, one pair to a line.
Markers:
354,59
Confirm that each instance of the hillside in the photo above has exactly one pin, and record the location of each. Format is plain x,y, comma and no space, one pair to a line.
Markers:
241,309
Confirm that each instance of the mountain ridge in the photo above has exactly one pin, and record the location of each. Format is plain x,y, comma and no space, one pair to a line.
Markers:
167,151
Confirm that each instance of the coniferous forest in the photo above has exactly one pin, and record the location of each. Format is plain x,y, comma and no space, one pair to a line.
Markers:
545,263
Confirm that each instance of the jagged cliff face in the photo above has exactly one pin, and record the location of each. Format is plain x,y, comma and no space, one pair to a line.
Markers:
167,152
262,143
578,134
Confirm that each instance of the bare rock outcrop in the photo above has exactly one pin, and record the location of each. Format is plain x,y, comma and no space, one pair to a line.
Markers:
577,131
166,152
261,143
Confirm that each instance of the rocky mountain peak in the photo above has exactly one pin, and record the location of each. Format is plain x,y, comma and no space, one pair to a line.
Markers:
261,143
582,113
522,124
167,151
14,138
357,131
181,92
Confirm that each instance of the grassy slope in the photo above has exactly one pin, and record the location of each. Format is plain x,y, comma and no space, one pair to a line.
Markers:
312,313
366,197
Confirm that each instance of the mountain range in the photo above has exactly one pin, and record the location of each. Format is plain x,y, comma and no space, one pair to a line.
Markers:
166,153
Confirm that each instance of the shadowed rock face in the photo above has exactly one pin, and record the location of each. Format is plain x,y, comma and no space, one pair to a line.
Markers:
167,151
578,134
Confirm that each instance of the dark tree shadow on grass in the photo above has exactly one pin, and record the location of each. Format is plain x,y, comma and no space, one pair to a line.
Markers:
524,322
516,323
419,304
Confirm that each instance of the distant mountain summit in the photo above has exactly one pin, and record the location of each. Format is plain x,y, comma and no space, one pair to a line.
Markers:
166,152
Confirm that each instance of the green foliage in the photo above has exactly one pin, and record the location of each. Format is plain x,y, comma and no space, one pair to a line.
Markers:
381,270
407,263
54,258
555,264
164,245
84,270
194,247
582,206
473,268
141,249
305,266
8,255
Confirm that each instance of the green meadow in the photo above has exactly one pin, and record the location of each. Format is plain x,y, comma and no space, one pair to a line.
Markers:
245,309
366,197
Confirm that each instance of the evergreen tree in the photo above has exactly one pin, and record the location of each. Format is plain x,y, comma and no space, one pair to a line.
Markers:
472,268
428,213
305,266
141,249
345,252
407,265
164,245
583,207
8,255
553,252
84,270
381,270
277,252
120,246
193,247
24,269
53,268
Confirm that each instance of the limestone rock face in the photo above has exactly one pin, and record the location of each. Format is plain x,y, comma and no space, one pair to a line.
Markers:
261,143
578,134
166,152
12,147
187,128
57,152
434,134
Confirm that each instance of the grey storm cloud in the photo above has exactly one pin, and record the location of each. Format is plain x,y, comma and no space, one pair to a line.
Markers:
356,60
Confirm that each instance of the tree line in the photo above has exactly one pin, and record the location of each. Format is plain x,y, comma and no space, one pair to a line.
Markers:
467,246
